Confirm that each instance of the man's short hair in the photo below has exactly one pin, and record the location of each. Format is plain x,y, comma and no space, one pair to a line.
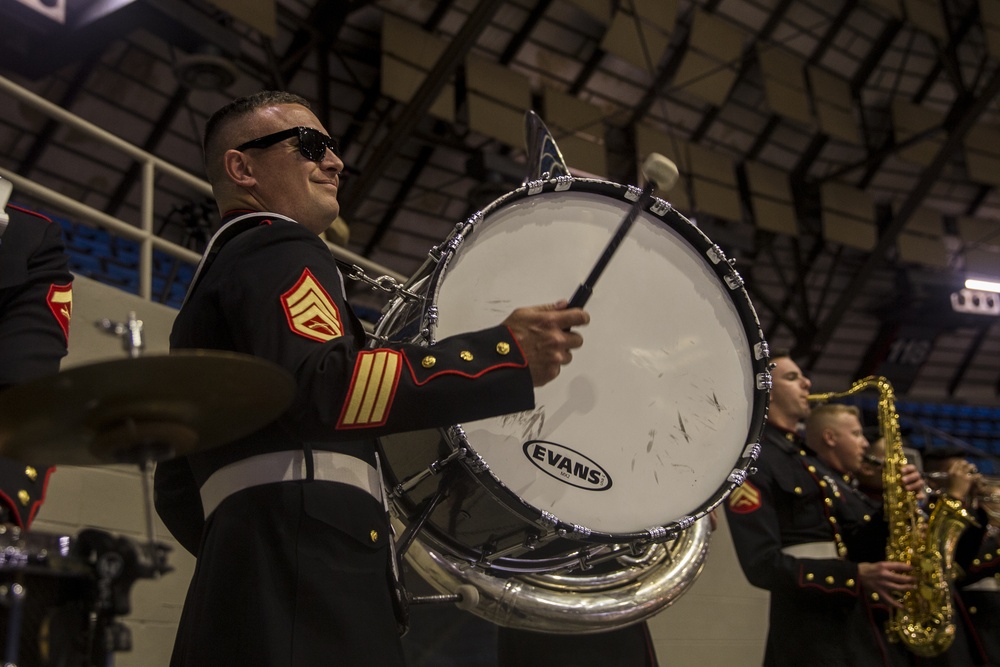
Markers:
822,415
241,108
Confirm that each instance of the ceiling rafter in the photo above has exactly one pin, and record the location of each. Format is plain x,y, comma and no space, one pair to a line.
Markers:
964,114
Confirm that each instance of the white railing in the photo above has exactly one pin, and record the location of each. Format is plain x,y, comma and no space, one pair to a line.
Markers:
143,234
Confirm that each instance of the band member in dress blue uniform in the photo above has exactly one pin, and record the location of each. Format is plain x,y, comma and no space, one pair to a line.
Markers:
785,523
979,590
976,603
294,551
36,303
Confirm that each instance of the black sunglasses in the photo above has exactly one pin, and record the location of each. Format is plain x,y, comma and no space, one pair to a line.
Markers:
312,143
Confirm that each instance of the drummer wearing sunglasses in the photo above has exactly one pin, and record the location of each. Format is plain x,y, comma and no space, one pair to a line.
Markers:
288,523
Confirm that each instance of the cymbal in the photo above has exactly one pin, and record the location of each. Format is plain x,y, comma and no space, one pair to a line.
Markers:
139,410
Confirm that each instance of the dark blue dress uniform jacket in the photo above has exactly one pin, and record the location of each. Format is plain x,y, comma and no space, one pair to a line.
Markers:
979,591
294,573
819,615
36,301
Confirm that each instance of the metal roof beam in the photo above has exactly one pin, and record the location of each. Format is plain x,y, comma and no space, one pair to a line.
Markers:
417,107
964,114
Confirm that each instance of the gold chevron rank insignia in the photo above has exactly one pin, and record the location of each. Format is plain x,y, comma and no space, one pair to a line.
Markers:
310,310
744,499
376,374
60,300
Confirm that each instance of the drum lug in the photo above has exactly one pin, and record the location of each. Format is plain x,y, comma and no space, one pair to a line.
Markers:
430,322
563,183
531,542
734,280
535,187
660,207
715,255
752,451
737,477
764,381
761,350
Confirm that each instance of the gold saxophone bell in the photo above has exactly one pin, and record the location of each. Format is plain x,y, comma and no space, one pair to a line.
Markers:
925,623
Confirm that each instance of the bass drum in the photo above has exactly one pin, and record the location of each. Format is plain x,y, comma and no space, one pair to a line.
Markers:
649,428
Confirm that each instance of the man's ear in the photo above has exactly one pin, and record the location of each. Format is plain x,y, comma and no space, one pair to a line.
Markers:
829,437
238,168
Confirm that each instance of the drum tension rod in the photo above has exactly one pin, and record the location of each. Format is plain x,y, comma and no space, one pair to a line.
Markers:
434,468
410,534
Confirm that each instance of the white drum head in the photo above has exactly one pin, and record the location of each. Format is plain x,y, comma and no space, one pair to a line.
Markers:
650,418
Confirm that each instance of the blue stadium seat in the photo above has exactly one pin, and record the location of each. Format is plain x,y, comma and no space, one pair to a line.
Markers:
86,265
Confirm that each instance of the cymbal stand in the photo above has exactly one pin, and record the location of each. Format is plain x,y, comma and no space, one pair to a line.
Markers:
147,452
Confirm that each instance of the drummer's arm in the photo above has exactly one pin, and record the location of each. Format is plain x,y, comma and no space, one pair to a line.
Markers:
292,293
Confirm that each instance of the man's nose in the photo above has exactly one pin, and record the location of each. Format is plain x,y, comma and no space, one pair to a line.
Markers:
331,159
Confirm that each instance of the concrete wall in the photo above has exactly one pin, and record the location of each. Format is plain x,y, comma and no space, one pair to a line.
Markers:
720,620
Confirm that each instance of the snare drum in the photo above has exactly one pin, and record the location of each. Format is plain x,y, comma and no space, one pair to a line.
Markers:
652,424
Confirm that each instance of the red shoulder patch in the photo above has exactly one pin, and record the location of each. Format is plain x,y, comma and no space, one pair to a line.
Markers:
744,499
310,311
60,300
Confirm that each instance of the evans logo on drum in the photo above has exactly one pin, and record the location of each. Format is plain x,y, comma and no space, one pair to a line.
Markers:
567,465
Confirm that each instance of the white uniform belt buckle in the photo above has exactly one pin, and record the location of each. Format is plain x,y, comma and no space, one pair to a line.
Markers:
288,466
812,550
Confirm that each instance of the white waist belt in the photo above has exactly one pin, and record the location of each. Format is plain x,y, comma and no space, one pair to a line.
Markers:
287,466
988,584
812,550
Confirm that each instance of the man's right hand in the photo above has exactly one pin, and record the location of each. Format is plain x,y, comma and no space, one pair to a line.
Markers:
887,578
544,334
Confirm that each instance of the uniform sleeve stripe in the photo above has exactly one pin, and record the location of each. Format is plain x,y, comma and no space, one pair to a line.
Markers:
358,386
387,387
372,389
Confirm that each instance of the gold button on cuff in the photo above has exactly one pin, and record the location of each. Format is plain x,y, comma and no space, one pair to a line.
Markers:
810,576
850,582
822,483
811,468
31,473
428,361
465,355
23,496
972,610
829,580
988,557
833,519
868,517
875,597
798,490
374,536
503,347
828,501
976,561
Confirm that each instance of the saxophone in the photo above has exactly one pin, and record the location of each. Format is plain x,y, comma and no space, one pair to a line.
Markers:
925,622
